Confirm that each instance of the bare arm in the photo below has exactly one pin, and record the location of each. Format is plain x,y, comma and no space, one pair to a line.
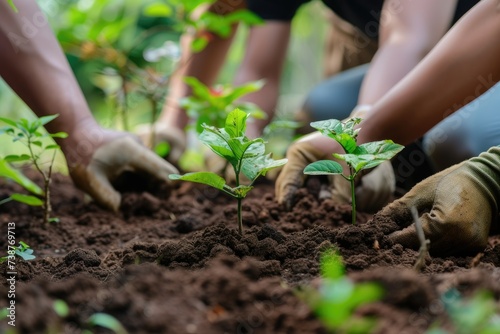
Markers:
408,31
264,59
463,65
205,66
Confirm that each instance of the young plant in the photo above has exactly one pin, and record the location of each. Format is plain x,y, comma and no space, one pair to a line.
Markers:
23,250
336,300
29,133
479,314
357,157
247,156
212,105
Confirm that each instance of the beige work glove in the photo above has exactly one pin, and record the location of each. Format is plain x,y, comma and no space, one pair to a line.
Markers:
112,158
456,207
373,190
175,137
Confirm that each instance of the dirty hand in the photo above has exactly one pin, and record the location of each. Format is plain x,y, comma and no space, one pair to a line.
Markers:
95,162
373,190
175,137
456,207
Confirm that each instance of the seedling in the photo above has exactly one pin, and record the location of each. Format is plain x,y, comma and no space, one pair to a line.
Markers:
212,105
23,250
357,157
480,314
247,157
336,300
29,133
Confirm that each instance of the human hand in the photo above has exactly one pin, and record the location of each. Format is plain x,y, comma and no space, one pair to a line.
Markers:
103,160
456,207
175,137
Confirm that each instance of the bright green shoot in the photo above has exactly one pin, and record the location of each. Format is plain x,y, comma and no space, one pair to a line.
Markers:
357,157
30,134
246,156
336,300
23,250
212,105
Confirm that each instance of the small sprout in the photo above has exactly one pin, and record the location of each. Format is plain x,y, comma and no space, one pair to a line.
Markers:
247,157
23,251
29,133
61,308
357,157
336,300
107,321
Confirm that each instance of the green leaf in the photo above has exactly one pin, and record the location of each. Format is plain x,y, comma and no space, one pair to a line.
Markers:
245,16
37,143
207,178
259,165
59,135
331,264
371,155
199,89
323,167
162,149
26,254
158,10
199,43
11,3
54,220
27,199
53,147
107,321
343,132
17,158
217,140
236,123
252,109
46,119
9,122
242,90
61,308
7,171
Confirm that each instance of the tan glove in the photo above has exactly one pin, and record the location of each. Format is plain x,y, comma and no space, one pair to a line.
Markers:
456,207
121,154
175,137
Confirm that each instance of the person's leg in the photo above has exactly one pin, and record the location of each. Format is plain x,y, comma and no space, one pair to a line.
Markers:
465,134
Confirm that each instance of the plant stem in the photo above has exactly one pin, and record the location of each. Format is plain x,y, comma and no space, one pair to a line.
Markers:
46,180
240,219
353,200
6,200
154,106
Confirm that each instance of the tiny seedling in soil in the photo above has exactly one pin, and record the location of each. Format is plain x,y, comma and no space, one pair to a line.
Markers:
23,250
357,157
336,300
479,314
247,156
29,133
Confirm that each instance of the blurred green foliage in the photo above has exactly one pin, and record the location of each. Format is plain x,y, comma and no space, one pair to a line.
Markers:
102,38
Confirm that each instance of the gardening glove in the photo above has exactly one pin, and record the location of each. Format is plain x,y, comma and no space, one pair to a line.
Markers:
175,137
111,159
456,206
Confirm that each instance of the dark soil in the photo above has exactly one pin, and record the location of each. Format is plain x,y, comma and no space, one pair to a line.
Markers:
173,262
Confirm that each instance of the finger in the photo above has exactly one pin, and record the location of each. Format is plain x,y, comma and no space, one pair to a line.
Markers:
287,184
407,237
143,159
94,181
